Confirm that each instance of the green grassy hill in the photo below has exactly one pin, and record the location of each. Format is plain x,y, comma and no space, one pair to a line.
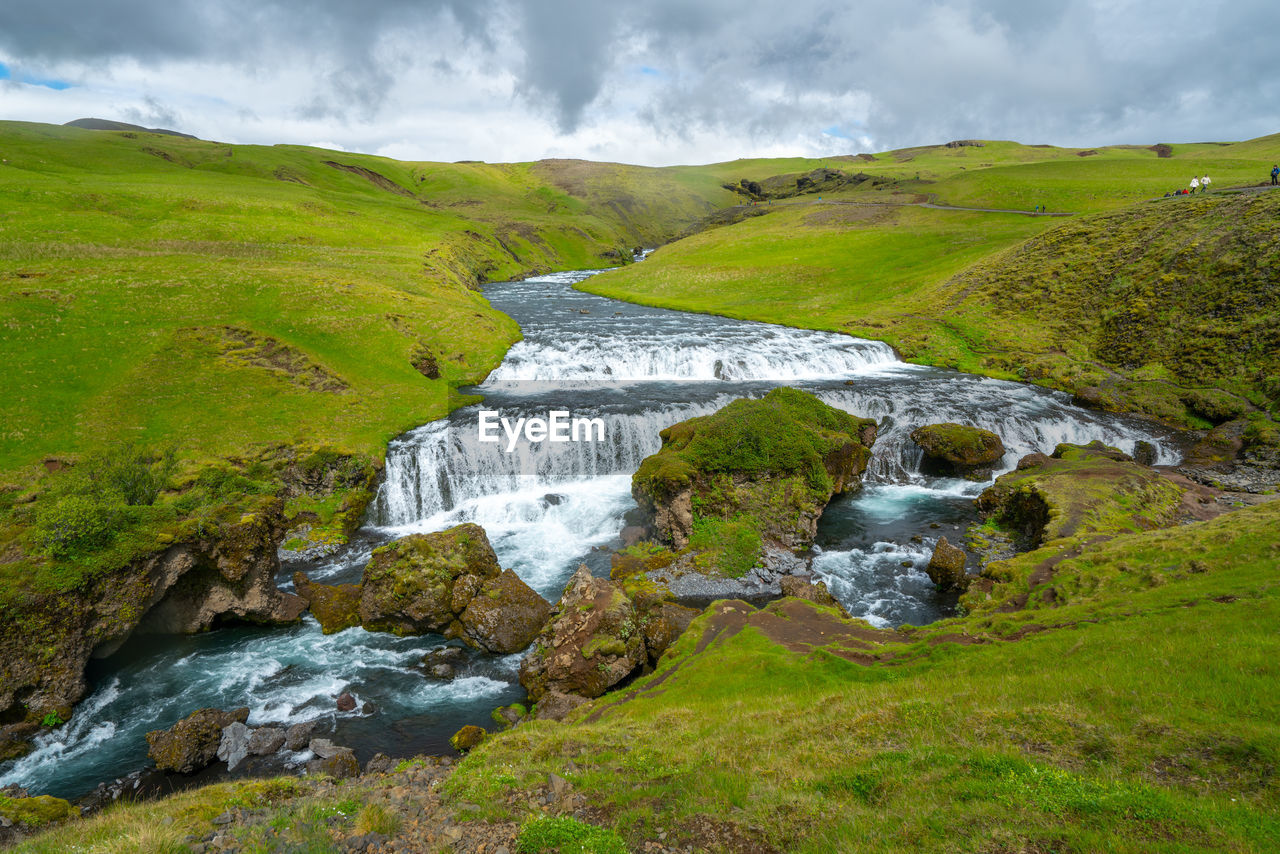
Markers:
1164,307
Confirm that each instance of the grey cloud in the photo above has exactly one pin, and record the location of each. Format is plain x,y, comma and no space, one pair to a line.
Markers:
898,72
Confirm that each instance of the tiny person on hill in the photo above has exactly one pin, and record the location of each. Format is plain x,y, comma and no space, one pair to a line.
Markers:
1204,184
1195,185
1275,175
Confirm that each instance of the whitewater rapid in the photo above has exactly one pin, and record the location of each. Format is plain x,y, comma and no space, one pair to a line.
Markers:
547,508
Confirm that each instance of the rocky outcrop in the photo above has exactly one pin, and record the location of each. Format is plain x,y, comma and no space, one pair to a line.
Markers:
592,642
801,587
335,606
947,566
226,574
775,461
1079,489
958,450
663,624
450,582
194,741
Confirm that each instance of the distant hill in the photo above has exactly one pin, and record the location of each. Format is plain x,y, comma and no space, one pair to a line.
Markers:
108,124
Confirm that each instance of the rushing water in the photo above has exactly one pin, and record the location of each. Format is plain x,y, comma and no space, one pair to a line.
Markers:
548,507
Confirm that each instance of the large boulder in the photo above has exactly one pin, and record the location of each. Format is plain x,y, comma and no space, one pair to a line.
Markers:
801,587
957,449
505,615
663,624
450,582
774,462
192,742
335,606
234,746
592,642
947,566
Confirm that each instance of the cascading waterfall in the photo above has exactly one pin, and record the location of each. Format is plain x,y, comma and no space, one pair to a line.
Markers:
548,507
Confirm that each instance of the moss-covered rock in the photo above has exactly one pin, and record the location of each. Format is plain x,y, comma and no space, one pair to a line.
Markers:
1080,489
422,582
775,461
34,812
505,615
947,566
468,738
335,606
192,742
593,641
450,582
957,449
663,624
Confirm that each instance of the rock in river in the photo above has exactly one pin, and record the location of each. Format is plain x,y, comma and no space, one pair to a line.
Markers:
450,582
192,742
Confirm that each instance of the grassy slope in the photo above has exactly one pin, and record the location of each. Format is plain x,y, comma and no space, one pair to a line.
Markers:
1140,717
1039,312
120,255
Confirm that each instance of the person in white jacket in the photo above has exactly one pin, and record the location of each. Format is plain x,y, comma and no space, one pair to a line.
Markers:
1204,184
1195,185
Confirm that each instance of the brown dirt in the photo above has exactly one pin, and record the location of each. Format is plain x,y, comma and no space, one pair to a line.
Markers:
262,351
375,178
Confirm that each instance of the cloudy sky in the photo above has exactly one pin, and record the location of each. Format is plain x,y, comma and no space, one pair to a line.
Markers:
648,81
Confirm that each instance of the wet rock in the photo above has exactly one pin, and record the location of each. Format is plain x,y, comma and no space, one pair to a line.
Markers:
631,535
346,702
441,671
15,739
368,708
467,738
234,745
341,764
776,460
193,742
1144,453
379,763
266,740
555,705
947,566
958,450
298,736
335,606
593,642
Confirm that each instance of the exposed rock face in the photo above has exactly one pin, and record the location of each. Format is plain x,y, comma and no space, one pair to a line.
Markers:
265,741
467,738
776,461
184,589
555,706
505,615
298,736
957,449
810,590
450,582
593,641
947,566
192,742
234,746
663,624
335,606
341,764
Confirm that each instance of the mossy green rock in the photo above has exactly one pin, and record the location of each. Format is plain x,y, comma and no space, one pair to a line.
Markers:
947,566
450,582
777,460
1080,489
594,641
335,606
192,742
468,738
422,582
35,812
957,448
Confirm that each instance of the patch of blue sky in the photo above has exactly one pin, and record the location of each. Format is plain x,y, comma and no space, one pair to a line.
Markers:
47,82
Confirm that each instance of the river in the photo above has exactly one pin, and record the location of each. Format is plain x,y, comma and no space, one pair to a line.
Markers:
548,508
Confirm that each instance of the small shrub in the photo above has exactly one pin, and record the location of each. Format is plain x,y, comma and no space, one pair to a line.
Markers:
375,818
567,835
51,720
137,476
734,546
75,523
